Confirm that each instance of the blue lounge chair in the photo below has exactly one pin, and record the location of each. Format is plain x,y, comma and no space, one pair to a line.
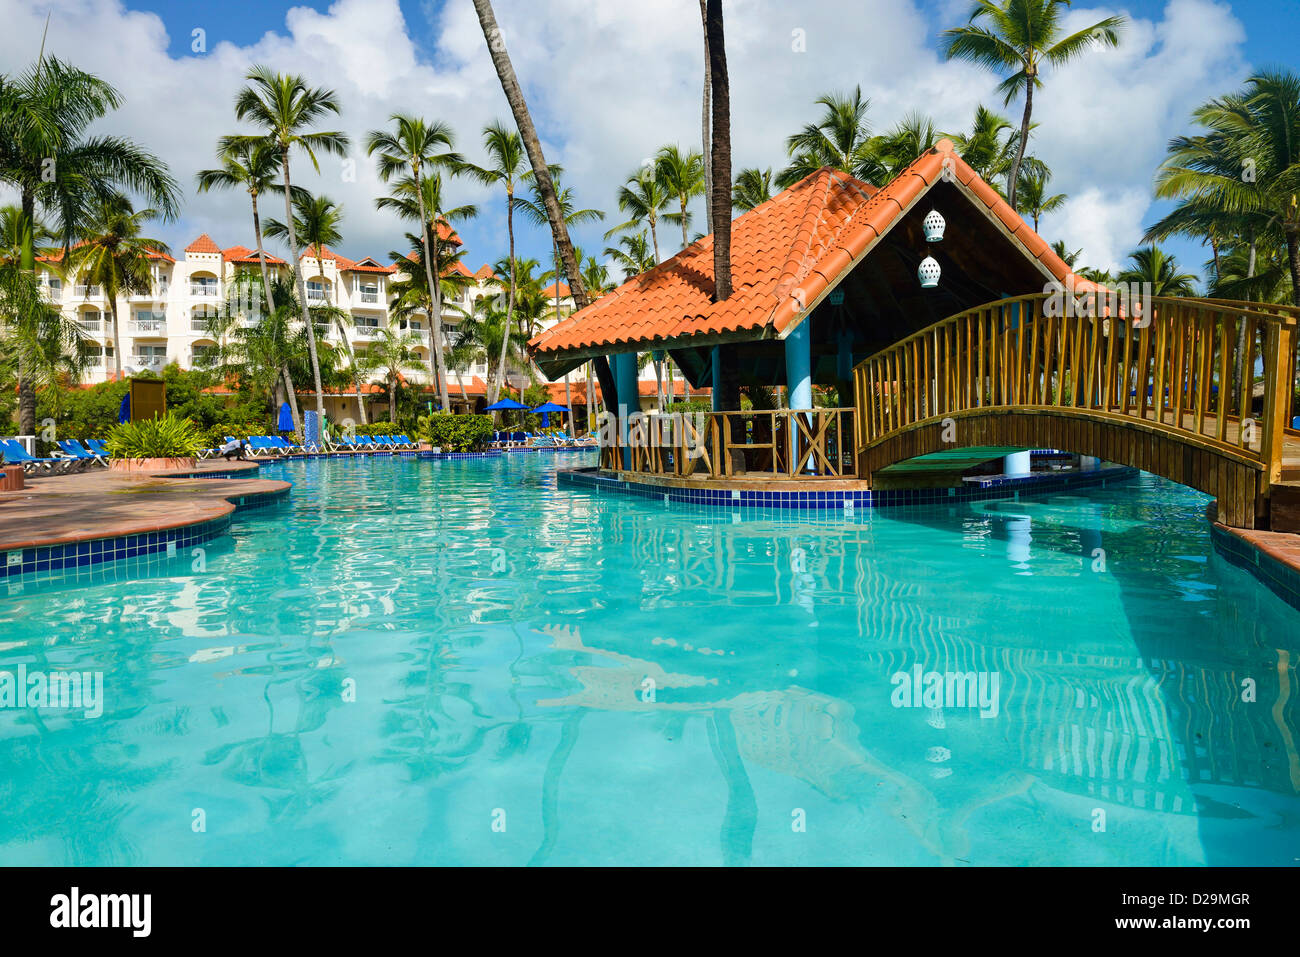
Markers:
77,451
15,454
406,441
97,445
280,442
261,446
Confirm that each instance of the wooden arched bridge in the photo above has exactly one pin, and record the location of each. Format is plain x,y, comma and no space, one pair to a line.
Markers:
1200,391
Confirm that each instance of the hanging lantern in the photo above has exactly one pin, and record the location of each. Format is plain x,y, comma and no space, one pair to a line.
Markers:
933,226
837,297
928,272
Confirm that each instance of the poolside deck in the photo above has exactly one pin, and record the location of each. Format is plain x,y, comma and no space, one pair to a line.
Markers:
59,509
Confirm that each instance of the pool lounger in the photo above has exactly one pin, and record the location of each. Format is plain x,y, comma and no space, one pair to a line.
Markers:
15,454
75,449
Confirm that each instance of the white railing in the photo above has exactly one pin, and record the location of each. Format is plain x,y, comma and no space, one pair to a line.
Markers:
153,363
204,290
369,297
152,327
199,325
366,332
88,292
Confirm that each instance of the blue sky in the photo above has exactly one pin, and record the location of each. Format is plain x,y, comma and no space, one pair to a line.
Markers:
609,83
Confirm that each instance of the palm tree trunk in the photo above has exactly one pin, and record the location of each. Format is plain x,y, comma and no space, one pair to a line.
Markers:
659,383
27,261
270,307
117,334
706,145
302,285
435,294
392,398
1014,174
654,236
721,150
510,298
1293,259
528,133
686,239
568,403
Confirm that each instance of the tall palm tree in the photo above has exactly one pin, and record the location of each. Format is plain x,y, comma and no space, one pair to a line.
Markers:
394,352
909,138
643,197
256,353
1032,194
255,168
411,149
427,206
508,163
317,220
115,256
528,133
720,153
60,172
841,139
1022,36
1067,257
1153,265
284,106
682,175
753,188
990,146
632,254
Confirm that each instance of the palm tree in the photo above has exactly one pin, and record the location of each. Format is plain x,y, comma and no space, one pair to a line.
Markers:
682,175
394,352
532,145
115,256
1067,257
632,254
753,188
1022,36
47,158
409,149
253,167
1033,191
990,147
506,152
1153,265
426,205
841,139
720,154
284,107
256,353
643,197
910,137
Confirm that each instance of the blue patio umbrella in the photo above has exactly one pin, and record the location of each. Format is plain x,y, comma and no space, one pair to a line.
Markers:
285,424
546,408
124,410
504,405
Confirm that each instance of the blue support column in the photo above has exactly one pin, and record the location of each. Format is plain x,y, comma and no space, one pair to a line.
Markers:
629,399
798,375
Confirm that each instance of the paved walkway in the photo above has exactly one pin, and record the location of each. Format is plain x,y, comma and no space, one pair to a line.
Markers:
104,504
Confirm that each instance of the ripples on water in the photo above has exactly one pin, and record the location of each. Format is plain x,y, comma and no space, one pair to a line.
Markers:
615,680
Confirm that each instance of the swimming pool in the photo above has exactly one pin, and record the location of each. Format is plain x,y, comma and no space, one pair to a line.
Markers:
456,662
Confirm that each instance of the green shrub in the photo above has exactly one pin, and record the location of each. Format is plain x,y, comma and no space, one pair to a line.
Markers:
165,437
455,433
378,428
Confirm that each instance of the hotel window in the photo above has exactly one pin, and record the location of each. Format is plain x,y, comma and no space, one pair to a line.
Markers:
316,290
203,355
368,290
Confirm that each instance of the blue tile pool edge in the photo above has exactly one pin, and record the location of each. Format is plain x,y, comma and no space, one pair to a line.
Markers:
54,562
993,488
1279,577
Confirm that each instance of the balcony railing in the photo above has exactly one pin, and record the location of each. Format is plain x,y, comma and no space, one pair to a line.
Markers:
153,363
204,290
83,291
369,296
150,327
199,325
772,444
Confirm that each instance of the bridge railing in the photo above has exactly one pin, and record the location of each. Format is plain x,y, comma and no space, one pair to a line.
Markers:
758,443
1223,372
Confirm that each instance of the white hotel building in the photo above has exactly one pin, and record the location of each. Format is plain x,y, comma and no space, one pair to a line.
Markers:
170,322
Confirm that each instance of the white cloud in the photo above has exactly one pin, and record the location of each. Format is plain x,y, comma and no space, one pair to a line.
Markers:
610,82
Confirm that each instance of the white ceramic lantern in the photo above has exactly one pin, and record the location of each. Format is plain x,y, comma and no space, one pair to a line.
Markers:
933,226
928,272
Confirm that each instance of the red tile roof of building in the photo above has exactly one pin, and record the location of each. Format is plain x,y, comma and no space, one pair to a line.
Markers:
785,254
565,291
204,244
242,254
485,273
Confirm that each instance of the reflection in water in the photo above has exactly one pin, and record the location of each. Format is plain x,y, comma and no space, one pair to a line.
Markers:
412,651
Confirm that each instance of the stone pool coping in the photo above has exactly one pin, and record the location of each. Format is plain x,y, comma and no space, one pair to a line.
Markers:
1272,557
834,494
69,521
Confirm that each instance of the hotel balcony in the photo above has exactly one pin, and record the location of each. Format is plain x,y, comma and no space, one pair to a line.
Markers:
200,290
148,363
149,327
82,291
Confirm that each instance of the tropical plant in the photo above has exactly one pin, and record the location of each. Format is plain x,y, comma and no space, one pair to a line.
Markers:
908,139
990,146
841,139
114,255
253,167
166,437
284,106
720,154
644,198
59,172
1022,36
1032,195
413,149
394,353
1153,265
454,432
632,254
753,187
681,173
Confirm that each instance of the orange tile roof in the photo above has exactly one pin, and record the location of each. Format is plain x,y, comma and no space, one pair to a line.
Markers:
785,253
203,244
242,254
485,273
57,255
565,291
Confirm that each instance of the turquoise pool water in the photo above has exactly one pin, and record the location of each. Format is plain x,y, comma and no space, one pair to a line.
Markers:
459,663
